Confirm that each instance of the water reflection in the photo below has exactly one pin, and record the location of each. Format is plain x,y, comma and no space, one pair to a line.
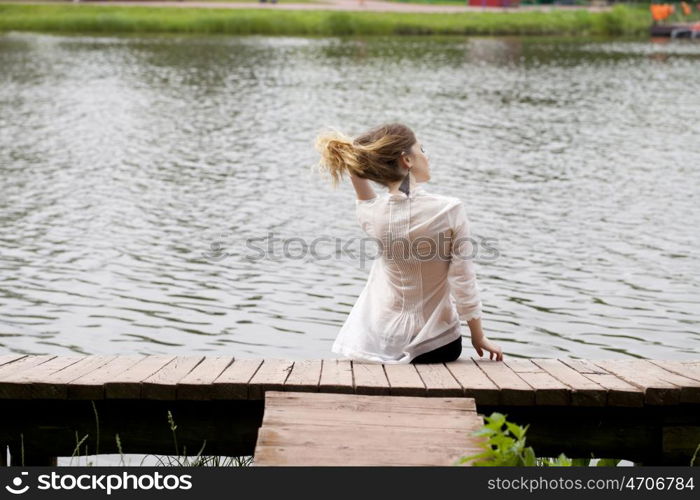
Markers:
124,159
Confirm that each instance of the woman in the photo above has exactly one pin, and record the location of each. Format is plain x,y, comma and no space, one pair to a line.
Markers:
424,281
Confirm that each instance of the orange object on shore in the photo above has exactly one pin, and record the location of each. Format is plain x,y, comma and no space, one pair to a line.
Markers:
686,8
659,12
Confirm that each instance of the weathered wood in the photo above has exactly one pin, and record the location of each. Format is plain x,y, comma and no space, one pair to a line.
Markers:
327,429
584,392
233,381
438,380
9,358
548,390
474,381
370,378
162,385
342,456
371,403
689,369
421,418
656,390
197,383
404,380
389,438
91,385
11,369
56,385
620,393
689,386
336,376
305,376
271,376
514,390
549,382
18,385
127,385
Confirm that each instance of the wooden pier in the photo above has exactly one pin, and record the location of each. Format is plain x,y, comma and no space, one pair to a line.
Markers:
647,411
317,429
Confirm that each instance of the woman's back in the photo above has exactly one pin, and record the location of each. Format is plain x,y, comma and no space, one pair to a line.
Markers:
406,308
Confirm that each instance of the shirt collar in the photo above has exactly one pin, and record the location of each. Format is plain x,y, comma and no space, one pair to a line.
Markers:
418,188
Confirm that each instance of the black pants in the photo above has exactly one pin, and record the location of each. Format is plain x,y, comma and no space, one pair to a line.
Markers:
448,352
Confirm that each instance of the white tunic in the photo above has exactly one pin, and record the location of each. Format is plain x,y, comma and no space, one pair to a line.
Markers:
420,284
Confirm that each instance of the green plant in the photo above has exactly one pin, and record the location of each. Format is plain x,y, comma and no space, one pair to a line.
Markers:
692,460
97,426
119,447
76,450
505,447
179,460
182,460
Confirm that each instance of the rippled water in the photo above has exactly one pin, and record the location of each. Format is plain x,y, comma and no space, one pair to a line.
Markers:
134,169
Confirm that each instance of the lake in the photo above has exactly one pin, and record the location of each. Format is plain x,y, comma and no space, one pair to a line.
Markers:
143,179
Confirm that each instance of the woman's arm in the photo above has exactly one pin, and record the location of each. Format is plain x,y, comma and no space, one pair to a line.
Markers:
463,284
362,187
481,343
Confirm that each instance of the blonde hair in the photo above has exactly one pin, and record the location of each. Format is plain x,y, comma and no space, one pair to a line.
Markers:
372,155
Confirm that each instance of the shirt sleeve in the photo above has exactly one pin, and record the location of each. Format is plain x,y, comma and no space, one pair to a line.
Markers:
462,273
365,214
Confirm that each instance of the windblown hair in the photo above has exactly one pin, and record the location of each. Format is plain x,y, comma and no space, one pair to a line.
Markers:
373,155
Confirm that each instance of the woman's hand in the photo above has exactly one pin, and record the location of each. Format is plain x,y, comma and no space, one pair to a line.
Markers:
482,343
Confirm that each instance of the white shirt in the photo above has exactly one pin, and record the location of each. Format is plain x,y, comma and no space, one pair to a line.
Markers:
416,294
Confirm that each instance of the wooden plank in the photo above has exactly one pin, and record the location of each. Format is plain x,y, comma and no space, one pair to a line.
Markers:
55,386
474,381
18,385
9,358
305,376
368,403
584,392
24,363
438,380
404,380
548,390
336,376
91,385
323,417
127,385
620,393
690,386
656,390
584,366
370,378
196,385
689,369
359,437
162,385
321,428
233,381
513,389
689,389
271,376
341,456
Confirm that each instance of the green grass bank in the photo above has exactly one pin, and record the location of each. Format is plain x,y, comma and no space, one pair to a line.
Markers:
69,18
